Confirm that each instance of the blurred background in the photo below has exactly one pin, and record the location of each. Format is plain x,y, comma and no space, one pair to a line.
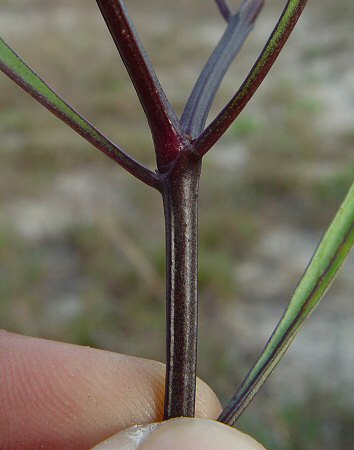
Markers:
82,242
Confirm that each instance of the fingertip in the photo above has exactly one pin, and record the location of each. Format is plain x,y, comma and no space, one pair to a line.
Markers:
181,433
198,434
207,404
58,395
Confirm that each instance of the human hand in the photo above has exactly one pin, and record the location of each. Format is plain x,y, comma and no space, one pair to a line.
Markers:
62,396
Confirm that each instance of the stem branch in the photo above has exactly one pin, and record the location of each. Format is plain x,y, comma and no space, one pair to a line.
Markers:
224,9
266,59
199,103
19,72
163,122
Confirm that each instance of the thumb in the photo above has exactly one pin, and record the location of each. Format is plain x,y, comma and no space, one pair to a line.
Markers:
182,433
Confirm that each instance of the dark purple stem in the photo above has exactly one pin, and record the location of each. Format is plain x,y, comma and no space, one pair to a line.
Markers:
162,120
180,196
199,103
179,177
255,77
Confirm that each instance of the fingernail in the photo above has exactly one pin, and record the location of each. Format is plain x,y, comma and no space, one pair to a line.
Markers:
129,439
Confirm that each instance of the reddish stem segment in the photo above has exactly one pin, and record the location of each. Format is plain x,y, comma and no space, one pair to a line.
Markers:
162,119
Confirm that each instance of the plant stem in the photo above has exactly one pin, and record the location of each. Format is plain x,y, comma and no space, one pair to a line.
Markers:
265,61
199,103
163,122
224,9
180,197
18,71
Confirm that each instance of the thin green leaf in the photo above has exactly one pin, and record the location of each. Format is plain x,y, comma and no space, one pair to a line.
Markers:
328,258
12,65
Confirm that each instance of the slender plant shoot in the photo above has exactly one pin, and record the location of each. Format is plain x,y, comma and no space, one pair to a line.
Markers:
161,117
12,65
266,59
179,148
199,103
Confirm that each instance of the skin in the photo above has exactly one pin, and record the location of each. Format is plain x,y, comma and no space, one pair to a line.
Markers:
181,433
61,396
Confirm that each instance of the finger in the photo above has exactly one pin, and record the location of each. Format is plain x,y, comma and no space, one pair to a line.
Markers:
55,395
177,434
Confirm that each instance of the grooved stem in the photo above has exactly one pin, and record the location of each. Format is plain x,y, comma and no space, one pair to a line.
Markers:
180,197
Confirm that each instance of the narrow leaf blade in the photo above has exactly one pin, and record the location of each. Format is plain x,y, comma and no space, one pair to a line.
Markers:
331,253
